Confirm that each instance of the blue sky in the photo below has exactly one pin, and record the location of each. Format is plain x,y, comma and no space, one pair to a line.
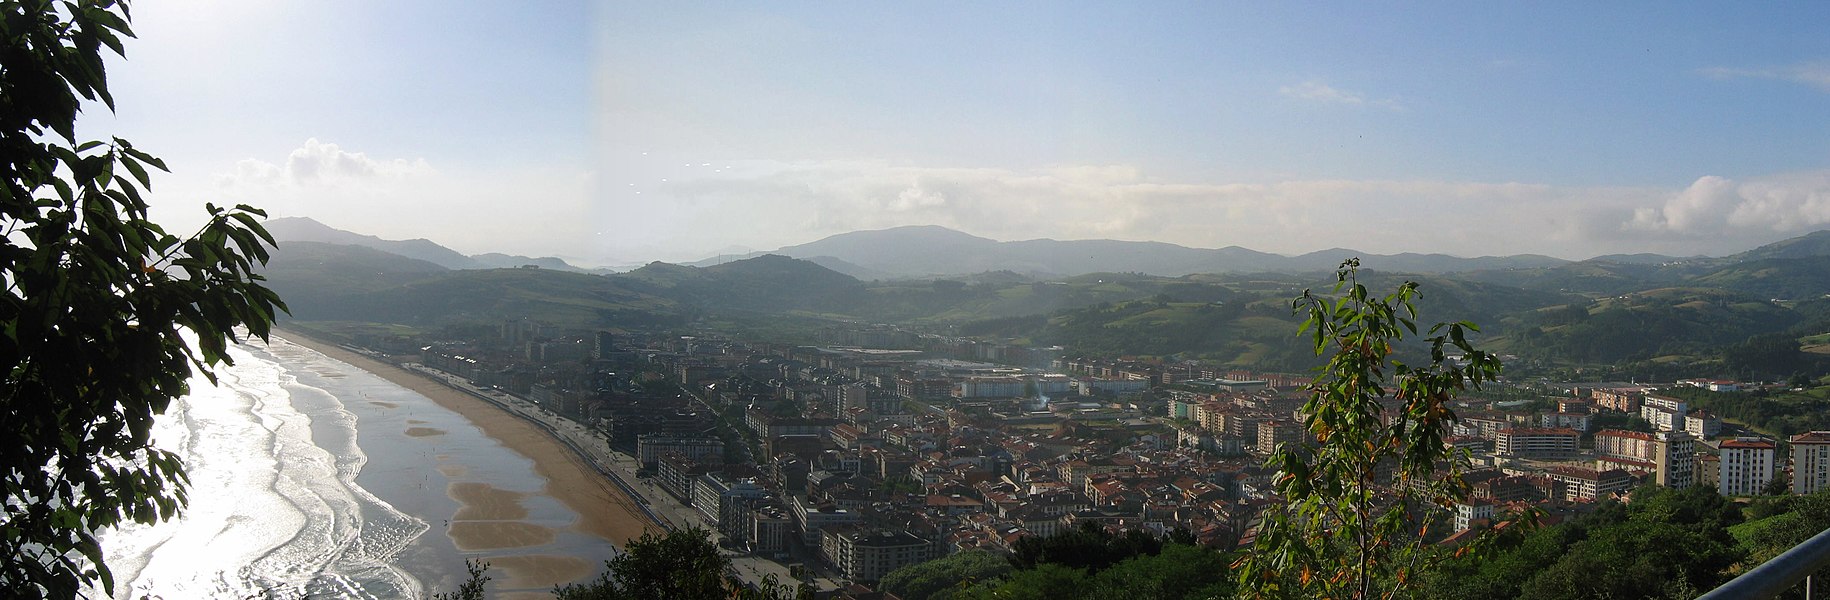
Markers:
625,132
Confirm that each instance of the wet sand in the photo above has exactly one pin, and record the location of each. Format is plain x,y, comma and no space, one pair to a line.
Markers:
424,431
490,518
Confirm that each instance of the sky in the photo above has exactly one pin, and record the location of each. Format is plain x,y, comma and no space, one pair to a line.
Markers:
614,133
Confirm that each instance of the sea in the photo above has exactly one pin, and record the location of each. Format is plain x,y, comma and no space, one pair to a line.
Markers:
312,478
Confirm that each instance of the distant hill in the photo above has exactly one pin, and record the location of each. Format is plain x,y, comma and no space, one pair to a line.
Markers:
1625,309
1597,276
1812,244
1644,258
313,276
306,229
1773,278
496,260
769,283
933,251
1649,324
335,282
566,300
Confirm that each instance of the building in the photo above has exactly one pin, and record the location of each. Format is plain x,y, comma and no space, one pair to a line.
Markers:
1578,421
1002,386
727,503
811,519
1668,455
1747,466
1674,459
1577,483
1620,445
650,446
1537,442
677,473
769,531
1810,462
603,344
1709,470
1714,385
1472,511
861,555
1662,419
1665,413
926,389
1702,424
1280,431
1485,426
1617,400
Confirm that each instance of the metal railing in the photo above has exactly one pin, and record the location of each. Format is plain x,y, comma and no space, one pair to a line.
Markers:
1784,572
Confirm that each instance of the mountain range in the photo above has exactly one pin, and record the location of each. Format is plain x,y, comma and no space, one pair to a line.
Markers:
306,229
1602,310
931,251
928,251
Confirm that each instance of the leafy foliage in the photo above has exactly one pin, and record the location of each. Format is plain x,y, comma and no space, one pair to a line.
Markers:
680,565
96,304
1089,546
1177,572
939,578
1767,356
1664,544
1346,530
472,588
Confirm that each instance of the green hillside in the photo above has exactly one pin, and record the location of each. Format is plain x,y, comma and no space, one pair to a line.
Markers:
1776,278
313,277
569,300
768,283
1597,312
1647,325
1596,276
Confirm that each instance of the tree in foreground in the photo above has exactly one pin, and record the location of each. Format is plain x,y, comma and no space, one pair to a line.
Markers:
1359,501
938,578
682,564
97,305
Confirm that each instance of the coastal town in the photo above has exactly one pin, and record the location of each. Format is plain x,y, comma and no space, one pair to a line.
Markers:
835,465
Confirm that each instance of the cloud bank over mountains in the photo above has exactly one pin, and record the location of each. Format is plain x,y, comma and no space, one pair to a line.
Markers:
769,204
1712,214
537,211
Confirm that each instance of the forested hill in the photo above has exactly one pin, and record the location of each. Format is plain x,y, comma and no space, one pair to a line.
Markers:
1608,311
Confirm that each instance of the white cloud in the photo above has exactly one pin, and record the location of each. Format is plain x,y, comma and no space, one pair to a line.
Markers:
1321,92
536,211
793,203
320,163
1784,204
1814,74
1316,91
765,204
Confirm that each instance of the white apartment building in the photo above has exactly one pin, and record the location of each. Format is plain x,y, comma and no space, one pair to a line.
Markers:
1665,413
1747,466
1470,511
1810,462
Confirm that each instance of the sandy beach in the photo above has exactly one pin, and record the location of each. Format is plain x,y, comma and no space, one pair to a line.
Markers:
493,519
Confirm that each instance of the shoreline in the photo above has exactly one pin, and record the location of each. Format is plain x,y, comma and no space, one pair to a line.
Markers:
603,508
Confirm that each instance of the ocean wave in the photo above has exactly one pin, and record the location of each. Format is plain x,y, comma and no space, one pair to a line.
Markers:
275,507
